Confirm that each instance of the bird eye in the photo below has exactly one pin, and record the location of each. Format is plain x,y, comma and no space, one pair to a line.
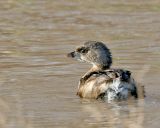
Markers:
82,50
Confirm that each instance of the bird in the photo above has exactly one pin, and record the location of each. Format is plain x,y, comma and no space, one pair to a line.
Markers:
102,81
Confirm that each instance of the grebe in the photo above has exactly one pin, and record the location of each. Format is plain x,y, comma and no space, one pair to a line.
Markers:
101,81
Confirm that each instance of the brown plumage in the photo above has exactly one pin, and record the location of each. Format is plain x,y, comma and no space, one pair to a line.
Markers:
101,81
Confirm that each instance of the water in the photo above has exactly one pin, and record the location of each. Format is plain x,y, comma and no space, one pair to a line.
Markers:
38,83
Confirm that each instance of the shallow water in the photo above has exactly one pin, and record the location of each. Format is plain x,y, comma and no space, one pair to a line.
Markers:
38,83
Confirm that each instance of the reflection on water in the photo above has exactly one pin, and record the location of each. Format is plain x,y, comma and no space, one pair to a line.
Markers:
116,114
38,83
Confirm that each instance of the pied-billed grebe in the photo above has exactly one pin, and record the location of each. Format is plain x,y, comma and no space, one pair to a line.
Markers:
101,81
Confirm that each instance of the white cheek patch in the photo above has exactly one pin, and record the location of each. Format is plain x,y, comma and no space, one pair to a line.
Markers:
83,59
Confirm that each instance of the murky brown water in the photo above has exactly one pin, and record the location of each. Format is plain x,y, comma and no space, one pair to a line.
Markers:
38,83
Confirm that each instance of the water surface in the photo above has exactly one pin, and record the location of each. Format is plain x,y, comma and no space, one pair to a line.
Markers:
38,83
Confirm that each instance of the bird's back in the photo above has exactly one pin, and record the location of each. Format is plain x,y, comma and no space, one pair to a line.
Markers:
109,84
